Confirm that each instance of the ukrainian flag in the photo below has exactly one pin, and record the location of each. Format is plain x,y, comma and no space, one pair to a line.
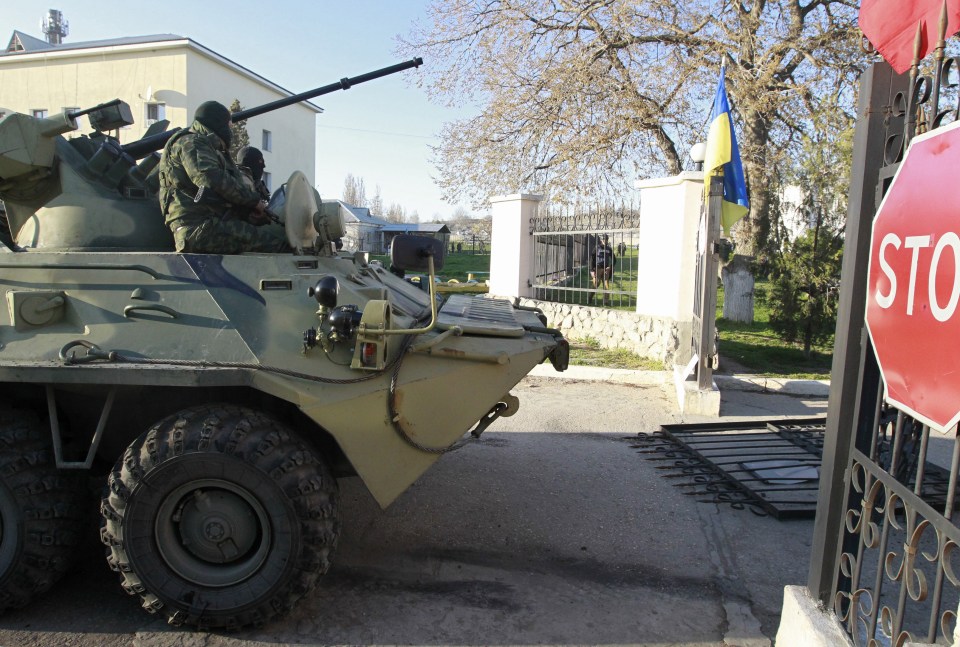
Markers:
723,154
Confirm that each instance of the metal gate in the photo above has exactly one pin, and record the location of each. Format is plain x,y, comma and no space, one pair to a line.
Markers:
564,249
704,354
885,555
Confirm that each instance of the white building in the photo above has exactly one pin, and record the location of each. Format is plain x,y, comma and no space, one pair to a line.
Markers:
366,232
163,76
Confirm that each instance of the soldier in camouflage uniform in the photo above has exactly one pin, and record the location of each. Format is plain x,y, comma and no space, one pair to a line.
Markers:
251,164
206,203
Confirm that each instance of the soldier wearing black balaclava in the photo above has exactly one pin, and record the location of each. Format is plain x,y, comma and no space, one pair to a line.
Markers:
206,202
250,161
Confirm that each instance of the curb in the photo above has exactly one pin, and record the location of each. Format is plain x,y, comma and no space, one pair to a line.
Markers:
750,383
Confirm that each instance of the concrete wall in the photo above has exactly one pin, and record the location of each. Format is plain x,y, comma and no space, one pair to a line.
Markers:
178,73
804,622
669,221
511,245
659,338
292,128
83,78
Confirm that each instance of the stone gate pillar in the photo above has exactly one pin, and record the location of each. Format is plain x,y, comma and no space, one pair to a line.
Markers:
667,252
670,211
511,245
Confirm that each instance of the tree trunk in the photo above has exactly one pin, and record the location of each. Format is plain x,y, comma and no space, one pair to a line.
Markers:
738,290
752,232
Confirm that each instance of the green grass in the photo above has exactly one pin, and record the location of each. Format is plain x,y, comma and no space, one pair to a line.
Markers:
759,350
587,352
457,266
754,347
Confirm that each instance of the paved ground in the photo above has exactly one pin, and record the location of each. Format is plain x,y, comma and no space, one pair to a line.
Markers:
549,530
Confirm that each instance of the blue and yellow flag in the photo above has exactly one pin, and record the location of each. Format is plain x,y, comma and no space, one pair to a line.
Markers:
724,154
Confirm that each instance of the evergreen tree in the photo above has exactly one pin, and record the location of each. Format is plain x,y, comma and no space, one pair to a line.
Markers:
803,302
239,129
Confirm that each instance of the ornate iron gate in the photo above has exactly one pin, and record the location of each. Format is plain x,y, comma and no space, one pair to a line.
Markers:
885,555
564,245
703,342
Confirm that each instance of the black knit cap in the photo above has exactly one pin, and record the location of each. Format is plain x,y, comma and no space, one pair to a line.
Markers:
215,116
249,156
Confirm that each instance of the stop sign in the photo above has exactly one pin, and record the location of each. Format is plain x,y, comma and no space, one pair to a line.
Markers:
913,284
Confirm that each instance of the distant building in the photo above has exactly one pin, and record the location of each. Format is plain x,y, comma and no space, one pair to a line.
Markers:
163,76
364,231
799,211
795,217
436,230
368,233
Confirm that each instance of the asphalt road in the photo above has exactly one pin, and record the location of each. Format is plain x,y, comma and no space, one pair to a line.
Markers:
551,529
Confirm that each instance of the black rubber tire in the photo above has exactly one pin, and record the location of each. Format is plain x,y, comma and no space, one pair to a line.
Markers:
40,510
203,472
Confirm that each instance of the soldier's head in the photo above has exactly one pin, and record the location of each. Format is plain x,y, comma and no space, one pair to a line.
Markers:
215,116
252,158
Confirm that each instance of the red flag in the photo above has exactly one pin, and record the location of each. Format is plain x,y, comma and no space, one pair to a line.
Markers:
891,27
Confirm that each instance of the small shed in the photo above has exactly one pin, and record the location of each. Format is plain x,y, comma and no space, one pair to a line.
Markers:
436,230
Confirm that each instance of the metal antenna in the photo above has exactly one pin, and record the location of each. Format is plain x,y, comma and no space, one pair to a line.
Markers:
55,27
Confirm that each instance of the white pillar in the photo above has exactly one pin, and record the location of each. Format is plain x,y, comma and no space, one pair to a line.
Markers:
667,253
511,245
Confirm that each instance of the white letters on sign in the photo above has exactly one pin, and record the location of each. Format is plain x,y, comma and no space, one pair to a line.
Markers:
915,244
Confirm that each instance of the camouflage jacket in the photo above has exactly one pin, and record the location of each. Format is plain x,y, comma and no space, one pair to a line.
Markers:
259,185
194,159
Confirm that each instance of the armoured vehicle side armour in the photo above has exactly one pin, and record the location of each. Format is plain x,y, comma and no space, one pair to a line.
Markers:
219,396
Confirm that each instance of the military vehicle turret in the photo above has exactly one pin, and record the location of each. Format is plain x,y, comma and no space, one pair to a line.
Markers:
217,397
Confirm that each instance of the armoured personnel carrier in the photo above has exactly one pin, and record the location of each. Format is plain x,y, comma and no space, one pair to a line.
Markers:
219,397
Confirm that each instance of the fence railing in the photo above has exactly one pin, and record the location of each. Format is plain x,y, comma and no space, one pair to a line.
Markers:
586,257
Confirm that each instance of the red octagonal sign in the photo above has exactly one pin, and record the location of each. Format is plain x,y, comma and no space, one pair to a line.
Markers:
914,282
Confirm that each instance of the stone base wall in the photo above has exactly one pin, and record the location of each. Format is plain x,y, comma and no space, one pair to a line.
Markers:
657,338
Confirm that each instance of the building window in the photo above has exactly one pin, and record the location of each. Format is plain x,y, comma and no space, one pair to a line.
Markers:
40,113
267,141
68,109
155,112
268,180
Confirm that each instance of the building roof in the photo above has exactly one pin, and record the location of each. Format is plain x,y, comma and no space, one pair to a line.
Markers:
361,215
431,227
20,42
30,44
23,45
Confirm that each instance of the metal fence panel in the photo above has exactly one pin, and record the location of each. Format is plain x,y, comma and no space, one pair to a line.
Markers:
564,245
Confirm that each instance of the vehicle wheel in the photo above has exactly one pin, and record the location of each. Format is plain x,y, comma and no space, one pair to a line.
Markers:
220,518
40,510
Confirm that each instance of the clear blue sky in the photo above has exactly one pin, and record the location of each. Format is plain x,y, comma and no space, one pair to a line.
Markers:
379,131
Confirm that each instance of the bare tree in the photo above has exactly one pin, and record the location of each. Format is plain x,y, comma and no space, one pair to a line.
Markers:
354,191
396,213
459,222
376,204
580,97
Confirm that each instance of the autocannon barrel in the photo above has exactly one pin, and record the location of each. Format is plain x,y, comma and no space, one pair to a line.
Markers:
148,145
143,147
342,84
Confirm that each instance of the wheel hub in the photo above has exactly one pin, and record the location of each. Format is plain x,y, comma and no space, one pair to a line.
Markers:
213,532
217,526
